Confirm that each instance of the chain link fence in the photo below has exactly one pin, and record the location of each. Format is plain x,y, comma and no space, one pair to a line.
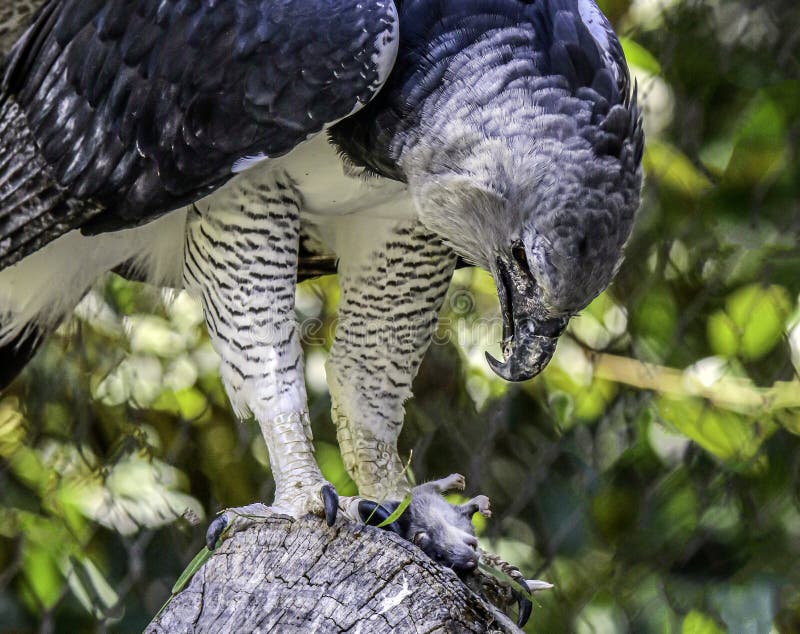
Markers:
652,473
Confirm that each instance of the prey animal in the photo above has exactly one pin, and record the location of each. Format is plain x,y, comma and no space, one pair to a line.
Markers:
204,144
445,533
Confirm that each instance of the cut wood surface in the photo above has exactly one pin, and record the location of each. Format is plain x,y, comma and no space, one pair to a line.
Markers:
289,576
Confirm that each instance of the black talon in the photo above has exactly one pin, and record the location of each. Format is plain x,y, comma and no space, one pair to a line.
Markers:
373,514
331,500
215,529
524,604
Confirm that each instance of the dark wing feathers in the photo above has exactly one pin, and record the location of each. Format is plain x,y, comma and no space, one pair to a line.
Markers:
145,105
569,44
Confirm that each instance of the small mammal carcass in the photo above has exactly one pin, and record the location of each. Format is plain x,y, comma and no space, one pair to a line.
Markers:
443,531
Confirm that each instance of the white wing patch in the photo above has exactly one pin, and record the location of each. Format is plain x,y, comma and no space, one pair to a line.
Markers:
246,162
601,31
45,286
387,45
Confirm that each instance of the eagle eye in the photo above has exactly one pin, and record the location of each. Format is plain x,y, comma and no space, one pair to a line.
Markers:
518,251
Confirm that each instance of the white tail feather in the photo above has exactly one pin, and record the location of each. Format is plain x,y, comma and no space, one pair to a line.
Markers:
43,288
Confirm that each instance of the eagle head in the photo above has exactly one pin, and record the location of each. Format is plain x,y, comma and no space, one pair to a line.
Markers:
547,212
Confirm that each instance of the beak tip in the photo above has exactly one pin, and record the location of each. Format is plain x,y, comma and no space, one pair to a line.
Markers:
498,367
505,371
522,366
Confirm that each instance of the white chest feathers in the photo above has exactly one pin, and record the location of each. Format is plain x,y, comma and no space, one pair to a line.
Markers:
329,189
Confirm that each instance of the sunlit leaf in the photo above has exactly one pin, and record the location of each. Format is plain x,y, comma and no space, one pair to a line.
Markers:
789,420
90,587
723,433
760,148
12,427
671,168
192,403
149,334
42,574
638,55
752,323
698,623
592,402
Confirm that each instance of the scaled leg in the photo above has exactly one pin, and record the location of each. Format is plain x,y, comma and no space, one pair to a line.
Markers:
391,294
241,260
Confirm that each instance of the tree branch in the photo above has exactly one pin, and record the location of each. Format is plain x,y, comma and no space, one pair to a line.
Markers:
732,393
301,576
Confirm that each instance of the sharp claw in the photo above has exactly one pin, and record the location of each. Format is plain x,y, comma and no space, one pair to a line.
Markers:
525,605
215,529
331,501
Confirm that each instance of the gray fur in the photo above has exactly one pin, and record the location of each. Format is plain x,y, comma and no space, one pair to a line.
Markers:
442,530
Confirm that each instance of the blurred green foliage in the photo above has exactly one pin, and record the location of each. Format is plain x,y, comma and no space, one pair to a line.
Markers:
652,473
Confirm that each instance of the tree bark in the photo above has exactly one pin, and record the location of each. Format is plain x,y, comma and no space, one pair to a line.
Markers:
291,576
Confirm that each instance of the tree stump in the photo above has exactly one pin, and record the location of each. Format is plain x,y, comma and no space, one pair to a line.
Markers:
290,576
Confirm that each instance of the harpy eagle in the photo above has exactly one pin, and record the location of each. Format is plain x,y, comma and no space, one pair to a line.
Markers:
203,142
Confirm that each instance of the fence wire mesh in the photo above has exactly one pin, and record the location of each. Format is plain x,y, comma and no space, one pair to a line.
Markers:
652,473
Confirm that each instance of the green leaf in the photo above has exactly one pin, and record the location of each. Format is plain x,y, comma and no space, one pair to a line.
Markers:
192,403
42,575
562,408
725,434
760,149
91,588
654,319
329,459
716,155
403,503
397,512
637,55
752,322
592,401
698,623
671,168
789,420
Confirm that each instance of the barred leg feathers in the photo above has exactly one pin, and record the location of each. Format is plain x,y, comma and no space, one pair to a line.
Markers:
390,300
241,260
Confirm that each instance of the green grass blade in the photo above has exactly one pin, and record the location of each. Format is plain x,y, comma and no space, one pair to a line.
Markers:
194,565
397,512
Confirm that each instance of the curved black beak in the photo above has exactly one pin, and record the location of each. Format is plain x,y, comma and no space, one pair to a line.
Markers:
528,340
